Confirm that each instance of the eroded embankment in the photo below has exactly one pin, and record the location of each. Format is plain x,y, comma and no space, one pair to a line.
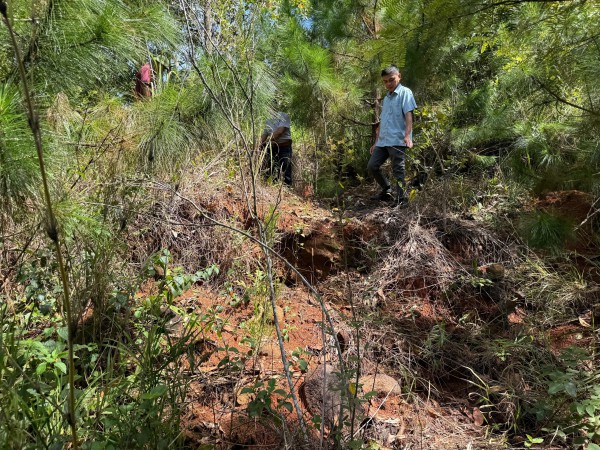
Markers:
418,295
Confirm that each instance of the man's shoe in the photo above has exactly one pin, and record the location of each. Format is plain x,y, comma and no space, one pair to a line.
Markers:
383,196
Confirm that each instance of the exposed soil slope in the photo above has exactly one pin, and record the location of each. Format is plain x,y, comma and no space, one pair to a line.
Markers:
414,293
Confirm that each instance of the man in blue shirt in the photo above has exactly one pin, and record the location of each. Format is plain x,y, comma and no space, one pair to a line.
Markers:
393,136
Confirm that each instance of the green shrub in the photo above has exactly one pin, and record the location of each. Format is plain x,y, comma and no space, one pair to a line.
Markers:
571,408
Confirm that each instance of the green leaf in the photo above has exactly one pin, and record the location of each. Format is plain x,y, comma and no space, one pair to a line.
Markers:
61,366
63,332
592,446
41,368
287,405
369,395
316,420
571,389
36,345
555,388
155,392
302,364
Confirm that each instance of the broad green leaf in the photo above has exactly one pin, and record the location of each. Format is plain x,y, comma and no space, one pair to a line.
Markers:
63,332
155,392
41,368
571,389
61,366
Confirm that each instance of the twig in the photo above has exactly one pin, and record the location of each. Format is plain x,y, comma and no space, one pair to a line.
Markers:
590,214
507,3
94,158
562,100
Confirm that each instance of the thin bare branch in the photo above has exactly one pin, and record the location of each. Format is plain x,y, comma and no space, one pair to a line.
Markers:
562,100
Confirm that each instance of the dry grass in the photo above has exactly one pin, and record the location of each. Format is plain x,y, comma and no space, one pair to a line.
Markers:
424,255
173,223
435,318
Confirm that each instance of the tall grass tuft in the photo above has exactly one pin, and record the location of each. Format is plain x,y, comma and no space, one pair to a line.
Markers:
544,230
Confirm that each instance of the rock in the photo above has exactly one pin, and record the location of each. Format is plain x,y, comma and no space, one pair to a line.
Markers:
494,271
381,383
478,417
320,393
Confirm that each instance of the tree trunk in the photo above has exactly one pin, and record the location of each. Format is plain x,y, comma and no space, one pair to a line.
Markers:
375,94
376,98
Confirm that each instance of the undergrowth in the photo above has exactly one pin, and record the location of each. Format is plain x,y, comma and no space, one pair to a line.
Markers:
131,385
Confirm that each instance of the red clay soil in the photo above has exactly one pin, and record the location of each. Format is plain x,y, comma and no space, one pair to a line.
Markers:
569,335
215,411
215,394
574,205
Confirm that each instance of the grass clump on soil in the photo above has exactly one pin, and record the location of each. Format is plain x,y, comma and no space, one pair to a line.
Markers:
553,292
544,230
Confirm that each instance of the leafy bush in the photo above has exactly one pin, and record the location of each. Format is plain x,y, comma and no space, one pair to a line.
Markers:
571,409
129,390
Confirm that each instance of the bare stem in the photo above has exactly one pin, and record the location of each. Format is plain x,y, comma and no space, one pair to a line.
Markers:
51,227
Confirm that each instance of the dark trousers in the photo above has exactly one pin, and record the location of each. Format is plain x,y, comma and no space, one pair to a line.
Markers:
381,155
279,161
